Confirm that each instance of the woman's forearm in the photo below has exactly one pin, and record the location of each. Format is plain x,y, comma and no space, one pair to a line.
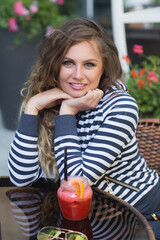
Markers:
23,162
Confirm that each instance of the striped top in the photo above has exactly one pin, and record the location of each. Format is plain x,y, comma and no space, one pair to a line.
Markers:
98,141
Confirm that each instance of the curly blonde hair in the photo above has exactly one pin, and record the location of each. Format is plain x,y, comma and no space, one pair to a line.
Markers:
46,76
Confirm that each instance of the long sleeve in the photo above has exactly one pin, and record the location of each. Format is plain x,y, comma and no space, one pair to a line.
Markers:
23,161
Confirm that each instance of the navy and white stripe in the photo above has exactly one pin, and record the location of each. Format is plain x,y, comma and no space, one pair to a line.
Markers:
26,208
23,162
98,141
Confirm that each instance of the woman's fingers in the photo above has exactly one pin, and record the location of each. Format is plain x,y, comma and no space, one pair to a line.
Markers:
46,99
75,105
93,97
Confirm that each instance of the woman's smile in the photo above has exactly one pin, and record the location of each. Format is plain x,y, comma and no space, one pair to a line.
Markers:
78,86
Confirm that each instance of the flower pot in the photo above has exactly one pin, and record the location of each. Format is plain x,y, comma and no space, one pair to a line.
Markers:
16,62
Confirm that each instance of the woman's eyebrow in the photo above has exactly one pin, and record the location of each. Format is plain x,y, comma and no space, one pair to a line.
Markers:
67,58
90,59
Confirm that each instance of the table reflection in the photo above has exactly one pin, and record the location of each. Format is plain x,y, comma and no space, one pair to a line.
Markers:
83,226
26,208
108,219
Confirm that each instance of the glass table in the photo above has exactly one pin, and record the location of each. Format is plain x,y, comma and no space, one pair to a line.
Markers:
23,211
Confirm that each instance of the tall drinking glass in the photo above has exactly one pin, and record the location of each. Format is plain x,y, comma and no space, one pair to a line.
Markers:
75,197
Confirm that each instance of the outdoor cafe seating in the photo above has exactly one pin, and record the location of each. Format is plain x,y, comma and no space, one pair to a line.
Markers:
23,211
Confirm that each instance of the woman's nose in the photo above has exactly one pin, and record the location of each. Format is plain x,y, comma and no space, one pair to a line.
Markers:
78,72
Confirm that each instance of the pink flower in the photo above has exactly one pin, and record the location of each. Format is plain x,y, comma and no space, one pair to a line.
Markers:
20,9
34,7
60,2
49,31
153,76
12,25
138,49
28,18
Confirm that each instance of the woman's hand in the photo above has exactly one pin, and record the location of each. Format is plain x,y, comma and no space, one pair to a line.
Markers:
46,99
75,105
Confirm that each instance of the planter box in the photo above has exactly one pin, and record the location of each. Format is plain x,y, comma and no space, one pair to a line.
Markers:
16,63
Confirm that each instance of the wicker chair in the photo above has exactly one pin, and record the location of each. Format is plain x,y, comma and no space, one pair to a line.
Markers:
148,138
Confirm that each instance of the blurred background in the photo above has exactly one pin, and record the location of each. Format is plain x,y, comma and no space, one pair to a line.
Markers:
20,41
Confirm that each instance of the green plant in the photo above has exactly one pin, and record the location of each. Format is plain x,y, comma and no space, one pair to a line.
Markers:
29,18
143,82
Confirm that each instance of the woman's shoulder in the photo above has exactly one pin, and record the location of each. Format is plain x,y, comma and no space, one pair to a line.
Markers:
116,92
117,98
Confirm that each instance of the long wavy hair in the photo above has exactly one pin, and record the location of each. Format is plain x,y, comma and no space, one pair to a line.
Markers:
45,76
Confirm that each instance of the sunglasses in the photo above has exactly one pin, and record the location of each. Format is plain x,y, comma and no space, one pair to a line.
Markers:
49,233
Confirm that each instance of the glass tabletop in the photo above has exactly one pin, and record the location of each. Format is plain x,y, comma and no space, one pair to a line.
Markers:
23,211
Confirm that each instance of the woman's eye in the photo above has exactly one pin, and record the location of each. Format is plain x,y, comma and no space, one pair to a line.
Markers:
89,65
67,63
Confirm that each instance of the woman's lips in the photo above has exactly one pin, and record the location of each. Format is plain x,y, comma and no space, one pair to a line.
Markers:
78,86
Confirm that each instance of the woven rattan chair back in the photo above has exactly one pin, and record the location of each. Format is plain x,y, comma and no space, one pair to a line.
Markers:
148,138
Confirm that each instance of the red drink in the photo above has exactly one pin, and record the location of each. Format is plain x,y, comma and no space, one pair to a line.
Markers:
73,206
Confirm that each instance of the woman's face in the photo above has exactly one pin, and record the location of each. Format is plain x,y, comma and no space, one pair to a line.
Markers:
81,69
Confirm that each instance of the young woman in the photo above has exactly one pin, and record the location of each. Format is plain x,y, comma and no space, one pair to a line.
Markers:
75,100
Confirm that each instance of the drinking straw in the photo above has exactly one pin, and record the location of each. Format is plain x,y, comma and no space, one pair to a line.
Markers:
65,164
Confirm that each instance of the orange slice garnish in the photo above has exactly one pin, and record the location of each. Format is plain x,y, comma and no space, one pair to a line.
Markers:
79,187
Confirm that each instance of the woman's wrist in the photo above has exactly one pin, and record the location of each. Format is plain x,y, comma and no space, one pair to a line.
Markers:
64,109
30,109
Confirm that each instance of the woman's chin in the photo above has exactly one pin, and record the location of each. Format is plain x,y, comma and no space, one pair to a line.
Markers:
77,93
